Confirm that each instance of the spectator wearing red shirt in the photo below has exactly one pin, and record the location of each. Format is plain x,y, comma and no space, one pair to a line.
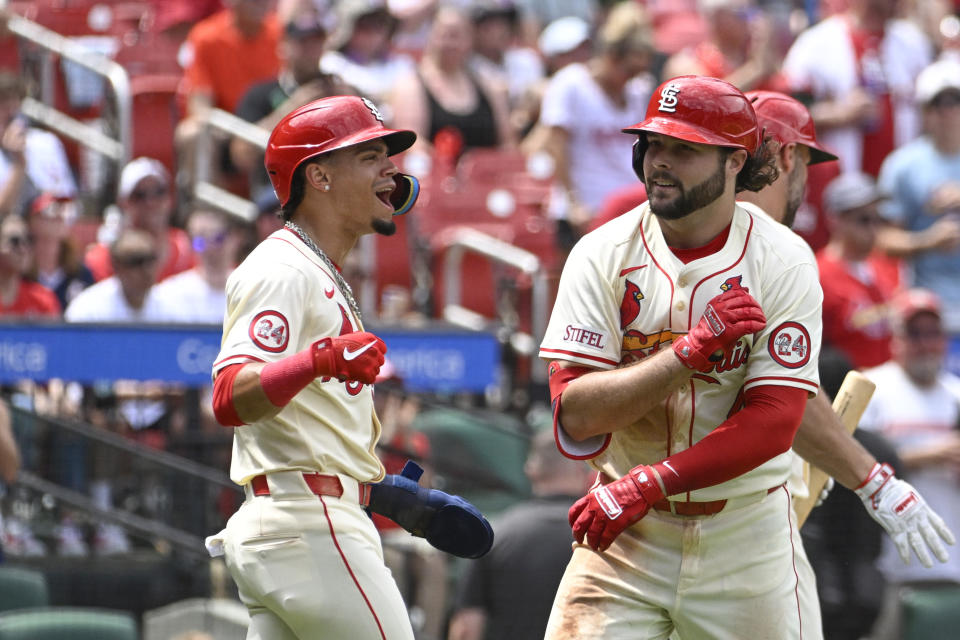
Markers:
858,282
18,295
145,200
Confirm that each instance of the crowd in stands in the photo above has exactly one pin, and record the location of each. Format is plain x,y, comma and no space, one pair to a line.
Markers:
550,82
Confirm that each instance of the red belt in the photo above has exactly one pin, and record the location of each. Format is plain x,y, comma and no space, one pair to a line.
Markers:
696,508
319,484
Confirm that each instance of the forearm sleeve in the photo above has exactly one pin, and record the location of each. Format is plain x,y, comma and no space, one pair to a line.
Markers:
761,430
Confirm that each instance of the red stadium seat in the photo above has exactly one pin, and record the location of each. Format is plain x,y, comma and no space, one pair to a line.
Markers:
491,192
155,116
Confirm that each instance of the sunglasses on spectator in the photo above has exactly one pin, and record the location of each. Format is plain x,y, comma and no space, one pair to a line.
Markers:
202,243
865,220
142,195
18,241
136,260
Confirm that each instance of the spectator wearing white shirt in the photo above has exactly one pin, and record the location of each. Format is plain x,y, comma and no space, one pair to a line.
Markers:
197,295
127,295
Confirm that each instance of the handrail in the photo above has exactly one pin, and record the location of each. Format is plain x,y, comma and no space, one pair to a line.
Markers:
186,542
118,150
204,190
462,240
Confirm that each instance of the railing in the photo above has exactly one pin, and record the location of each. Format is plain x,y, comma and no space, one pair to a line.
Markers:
206,191
116,148
466,240
47,442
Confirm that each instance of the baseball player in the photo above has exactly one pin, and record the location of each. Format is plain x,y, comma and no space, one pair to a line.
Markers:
683,346
293,377
821,439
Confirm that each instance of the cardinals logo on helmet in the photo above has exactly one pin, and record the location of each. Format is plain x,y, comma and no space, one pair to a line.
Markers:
630,305
668,97
732,282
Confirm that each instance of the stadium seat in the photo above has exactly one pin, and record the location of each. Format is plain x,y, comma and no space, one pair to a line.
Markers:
21,588
75,623
490,191
222,618
489,450
155,116
930,613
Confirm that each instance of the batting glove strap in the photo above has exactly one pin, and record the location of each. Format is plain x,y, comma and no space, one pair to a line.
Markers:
905,516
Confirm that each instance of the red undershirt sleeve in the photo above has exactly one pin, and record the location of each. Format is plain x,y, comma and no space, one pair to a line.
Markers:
223,408
761,430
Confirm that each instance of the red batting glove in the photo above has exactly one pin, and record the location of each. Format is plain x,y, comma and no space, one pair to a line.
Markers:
353,356
727,318
601,515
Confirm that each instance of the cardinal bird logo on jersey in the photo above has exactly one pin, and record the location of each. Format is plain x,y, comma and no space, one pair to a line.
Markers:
731,283
630,305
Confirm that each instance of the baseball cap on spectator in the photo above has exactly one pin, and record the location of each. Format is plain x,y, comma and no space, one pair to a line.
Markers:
943,75
908,304
563,35
266,201
350,12
484,9
138,169
851,191
308,23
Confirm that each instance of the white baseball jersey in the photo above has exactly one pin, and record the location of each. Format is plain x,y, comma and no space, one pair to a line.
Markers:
280,300
624,295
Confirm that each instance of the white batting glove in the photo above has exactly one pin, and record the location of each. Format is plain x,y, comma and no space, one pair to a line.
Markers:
905,515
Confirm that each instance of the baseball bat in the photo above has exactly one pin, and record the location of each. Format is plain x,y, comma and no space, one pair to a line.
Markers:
849,404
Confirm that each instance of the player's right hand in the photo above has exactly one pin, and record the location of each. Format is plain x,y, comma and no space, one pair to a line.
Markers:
355,356
727,318
600,516
905,516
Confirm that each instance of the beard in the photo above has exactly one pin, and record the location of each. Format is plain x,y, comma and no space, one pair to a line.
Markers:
923,370
686,203
795,190
384,227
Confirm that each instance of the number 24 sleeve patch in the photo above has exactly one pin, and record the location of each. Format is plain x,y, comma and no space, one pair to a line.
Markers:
789,345
270,331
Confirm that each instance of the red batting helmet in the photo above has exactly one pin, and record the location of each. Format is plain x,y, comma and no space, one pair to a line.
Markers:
322,126
702,110
786,120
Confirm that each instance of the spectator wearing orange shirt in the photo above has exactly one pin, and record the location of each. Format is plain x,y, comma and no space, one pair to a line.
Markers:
145,200
18,295
224,55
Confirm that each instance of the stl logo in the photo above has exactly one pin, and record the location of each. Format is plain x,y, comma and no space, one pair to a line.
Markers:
270,331
668,97
373,109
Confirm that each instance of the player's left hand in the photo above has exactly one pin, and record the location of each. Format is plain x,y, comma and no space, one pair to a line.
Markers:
905,515
601,515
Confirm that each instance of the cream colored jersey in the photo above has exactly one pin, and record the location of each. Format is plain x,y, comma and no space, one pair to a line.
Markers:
624,295
281,299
